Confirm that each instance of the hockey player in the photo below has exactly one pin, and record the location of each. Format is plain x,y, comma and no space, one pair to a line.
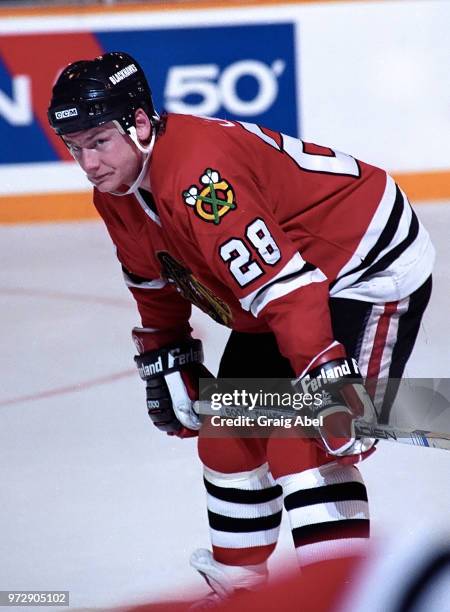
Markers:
314,259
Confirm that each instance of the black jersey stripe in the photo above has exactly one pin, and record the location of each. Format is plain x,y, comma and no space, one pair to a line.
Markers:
230,524
387,233
394,253
148,198
134,278
307,267
384,239
344,491
331,530
243,496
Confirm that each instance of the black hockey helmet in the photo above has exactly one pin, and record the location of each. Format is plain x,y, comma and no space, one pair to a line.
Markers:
89,93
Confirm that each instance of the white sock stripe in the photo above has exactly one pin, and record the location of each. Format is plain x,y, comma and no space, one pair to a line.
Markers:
253,480
236,510
226,539
332,473
331,549
322,513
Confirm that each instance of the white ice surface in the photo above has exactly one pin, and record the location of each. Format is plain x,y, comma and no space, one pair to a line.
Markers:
93,499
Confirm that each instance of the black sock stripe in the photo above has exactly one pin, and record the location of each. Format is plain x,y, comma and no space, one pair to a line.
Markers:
243,496
331,530
241,525
343,491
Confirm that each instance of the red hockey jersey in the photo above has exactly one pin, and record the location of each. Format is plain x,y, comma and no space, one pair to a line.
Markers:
258,229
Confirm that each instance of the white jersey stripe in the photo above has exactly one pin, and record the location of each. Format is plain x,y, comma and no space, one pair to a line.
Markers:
255,129
153,216
406,273
400,234
283,287
147,330
308,367
279,285
373,232
295,264
158,283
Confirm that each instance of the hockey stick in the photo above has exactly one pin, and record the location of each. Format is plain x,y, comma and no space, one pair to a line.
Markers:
415,437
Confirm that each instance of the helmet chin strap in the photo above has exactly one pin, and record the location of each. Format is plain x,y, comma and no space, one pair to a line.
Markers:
146,150
134,137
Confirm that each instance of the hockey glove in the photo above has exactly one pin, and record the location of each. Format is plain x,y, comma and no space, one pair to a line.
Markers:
343,399
171,375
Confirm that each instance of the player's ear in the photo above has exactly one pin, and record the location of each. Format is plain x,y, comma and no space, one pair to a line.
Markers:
143,125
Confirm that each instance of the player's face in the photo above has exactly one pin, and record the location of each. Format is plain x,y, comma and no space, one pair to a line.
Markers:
109,158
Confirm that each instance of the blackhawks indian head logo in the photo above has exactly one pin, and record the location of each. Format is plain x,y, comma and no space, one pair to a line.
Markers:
193,290
213,200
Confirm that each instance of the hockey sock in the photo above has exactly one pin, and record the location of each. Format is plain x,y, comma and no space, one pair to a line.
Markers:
244,513
328,512
326,501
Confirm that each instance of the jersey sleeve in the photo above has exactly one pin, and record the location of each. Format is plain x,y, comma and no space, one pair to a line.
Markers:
163,311
233,222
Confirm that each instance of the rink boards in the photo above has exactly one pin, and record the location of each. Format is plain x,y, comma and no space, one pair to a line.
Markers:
351,75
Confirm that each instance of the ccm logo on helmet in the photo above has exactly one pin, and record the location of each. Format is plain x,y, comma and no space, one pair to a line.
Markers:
123,74
64,114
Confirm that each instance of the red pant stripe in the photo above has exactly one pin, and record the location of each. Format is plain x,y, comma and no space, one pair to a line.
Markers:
374,366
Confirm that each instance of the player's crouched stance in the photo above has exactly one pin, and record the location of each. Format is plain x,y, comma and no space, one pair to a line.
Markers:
314,259
171,375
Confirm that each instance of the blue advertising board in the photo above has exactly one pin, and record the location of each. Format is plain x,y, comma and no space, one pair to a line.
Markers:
243,72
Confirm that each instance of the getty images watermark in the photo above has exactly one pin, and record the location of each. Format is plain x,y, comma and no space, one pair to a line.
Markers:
249,407
245,408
